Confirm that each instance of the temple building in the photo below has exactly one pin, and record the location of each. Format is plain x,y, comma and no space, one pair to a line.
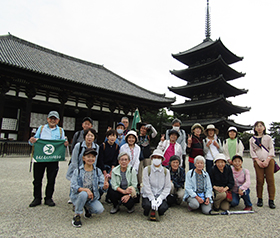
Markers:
35,80
208,77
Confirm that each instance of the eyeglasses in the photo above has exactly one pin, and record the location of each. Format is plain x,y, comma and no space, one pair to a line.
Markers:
124,159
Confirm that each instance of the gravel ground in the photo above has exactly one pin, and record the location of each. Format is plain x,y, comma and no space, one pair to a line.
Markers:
19,220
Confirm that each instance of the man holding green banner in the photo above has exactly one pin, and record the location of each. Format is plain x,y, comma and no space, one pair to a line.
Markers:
49,148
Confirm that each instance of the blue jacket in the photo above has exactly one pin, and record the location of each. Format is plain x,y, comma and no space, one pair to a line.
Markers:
77,159
190,185
78,179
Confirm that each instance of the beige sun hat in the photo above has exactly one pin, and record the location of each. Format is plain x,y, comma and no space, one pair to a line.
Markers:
197,125
211,127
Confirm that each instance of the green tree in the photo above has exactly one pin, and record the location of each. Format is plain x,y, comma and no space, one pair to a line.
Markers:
245,137
275,134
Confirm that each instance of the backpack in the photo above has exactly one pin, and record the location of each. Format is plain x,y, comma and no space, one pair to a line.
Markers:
149,170
60,131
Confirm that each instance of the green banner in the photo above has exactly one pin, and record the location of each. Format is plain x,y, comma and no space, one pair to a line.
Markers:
136,119
49,150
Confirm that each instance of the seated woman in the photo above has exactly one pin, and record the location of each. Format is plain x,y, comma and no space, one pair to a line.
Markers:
222,182
177,176
198,187
170,147
84,187
124,185
156,186
242,183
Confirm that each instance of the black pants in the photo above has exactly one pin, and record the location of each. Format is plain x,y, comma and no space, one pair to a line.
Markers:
38,174
146,205
116,196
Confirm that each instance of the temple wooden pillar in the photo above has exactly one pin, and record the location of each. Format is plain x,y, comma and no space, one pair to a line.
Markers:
30,92
63,98
4,88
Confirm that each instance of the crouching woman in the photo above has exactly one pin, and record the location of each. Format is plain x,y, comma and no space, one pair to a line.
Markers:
198,187
222,182
84,187
156,187
124,185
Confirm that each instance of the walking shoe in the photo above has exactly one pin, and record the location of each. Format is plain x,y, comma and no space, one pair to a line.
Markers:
189,208
35,202
115,209
76,222
260,202
271,204
69,201
247,208
87,214
153,215
49,202
131,210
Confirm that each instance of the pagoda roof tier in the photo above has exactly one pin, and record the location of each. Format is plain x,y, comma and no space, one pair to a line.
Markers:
211,69
219,106
218,85
205,50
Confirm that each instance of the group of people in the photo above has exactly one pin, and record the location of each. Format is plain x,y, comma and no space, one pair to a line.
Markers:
125,168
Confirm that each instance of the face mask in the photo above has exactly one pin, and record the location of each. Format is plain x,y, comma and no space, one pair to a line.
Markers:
176,128
120,131
156,162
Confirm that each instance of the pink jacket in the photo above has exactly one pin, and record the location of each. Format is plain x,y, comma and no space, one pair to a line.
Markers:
241,180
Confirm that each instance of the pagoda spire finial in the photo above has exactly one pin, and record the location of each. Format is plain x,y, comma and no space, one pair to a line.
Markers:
207,24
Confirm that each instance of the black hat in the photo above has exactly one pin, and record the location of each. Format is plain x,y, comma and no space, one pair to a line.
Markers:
237,157
139,125
174,157
90,151
88,119
173,132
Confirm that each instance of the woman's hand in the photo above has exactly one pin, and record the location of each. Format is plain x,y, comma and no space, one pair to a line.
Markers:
207,201
219,189
199,199
128,191
189,141
162,137
125,198
209,143
266,162
106,184
260,163
225,189
216,144
240,192
90,194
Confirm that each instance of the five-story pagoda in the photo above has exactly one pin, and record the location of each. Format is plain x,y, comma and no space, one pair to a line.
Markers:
207,89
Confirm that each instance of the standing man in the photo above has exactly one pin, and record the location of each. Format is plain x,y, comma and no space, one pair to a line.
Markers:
79,135
125,121
49,131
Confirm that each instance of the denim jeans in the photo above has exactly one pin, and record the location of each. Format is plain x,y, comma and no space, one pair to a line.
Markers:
93,206
245,196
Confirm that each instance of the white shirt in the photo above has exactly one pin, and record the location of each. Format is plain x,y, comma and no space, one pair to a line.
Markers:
157,184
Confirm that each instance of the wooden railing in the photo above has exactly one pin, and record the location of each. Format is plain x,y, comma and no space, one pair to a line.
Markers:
15,148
